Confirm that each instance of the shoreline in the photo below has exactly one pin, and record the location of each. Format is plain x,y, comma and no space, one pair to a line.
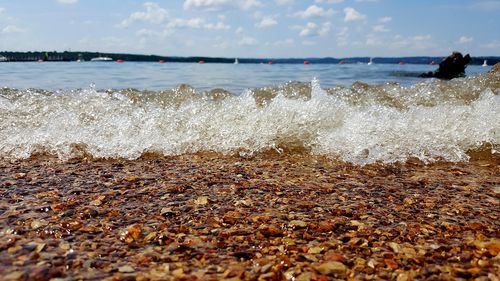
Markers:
215,217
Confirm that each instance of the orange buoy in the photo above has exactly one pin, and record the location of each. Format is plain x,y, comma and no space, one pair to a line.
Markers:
307,62
120,60
162,61
402,62
201,62
341,62
270,62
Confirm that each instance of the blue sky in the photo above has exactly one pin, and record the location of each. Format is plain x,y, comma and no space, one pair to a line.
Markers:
253,28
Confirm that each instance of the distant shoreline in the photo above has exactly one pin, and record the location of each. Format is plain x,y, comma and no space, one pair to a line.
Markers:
87,56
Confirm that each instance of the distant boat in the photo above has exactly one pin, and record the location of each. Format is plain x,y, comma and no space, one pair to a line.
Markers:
2,58
341,62
270,62
101,59
120,60
162,61
307,62
370,62
402,62
432,63
485,63
201,62
236,61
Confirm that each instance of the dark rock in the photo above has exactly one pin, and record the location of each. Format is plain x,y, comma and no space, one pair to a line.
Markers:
451,67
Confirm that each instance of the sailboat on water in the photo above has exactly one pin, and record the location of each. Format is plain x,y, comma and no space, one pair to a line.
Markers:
485,63
370,62
236,61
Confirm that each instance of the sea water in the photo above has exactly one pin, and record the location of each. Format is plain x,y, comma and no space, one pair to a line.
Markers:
356,113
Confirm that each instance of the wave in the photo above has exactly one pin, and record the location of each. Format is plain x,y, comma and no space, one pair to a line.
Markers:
430,121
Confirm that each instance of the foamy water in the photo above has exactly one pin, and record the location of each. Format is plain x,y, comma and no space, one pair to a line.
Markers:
431,120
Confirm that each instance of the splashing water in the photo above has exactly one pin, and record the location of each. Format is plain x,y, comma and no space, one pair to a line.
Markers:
432,120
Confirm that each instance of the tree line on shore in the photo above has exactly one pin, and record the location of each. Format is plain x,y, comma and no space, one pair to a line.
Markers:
87,56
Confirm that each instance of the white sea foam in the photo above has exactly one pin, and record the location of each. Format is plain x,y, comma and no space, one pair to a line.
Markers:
360,124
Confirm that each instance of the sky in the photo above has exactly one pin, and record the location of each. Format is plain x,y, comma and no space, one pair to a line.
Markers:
253,28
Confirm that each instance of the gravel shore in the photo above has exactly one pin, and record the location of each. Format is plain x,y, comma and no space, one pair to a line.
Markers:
270,217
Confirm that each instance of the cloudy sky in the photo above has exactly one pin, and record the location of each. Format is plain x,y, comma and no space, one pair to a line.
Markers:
253,28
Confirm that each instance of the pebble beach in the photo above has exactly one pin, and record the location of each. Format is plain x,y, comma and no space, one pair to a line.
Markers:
208,216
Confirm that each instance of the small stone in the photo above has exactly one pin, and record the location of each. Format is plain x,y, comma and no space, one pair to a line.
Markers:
65,246
394,246
134,231
231,217
270,231
20,175
267,275
179,272
126,269
36,224
298,224
304,276
332,256
16,275
96,203
408,201
402,277
40,247
315,250
331,267
202,200
131,178
14,249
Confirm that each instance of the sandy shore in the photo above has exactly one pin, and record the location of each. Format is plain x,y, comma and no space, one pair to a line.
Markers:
213,217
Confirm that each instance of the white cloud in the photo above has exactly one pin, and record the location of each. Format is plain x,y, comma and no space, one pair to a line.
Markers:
239,30
307,30
380,28
12,29
325,29
266,22
314,11
248,41
67,1
352,15
153,14
249,4
384,19
2,10
329,1
465,40
206,4
196,23
313,29
216,5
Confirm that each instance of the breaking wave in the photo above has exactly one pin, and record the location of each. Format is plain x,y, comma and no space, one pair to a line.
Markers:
431,121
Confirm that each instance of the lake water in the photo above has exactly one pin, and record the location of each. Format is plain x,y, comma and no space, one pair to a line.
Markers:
352,113
235,78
